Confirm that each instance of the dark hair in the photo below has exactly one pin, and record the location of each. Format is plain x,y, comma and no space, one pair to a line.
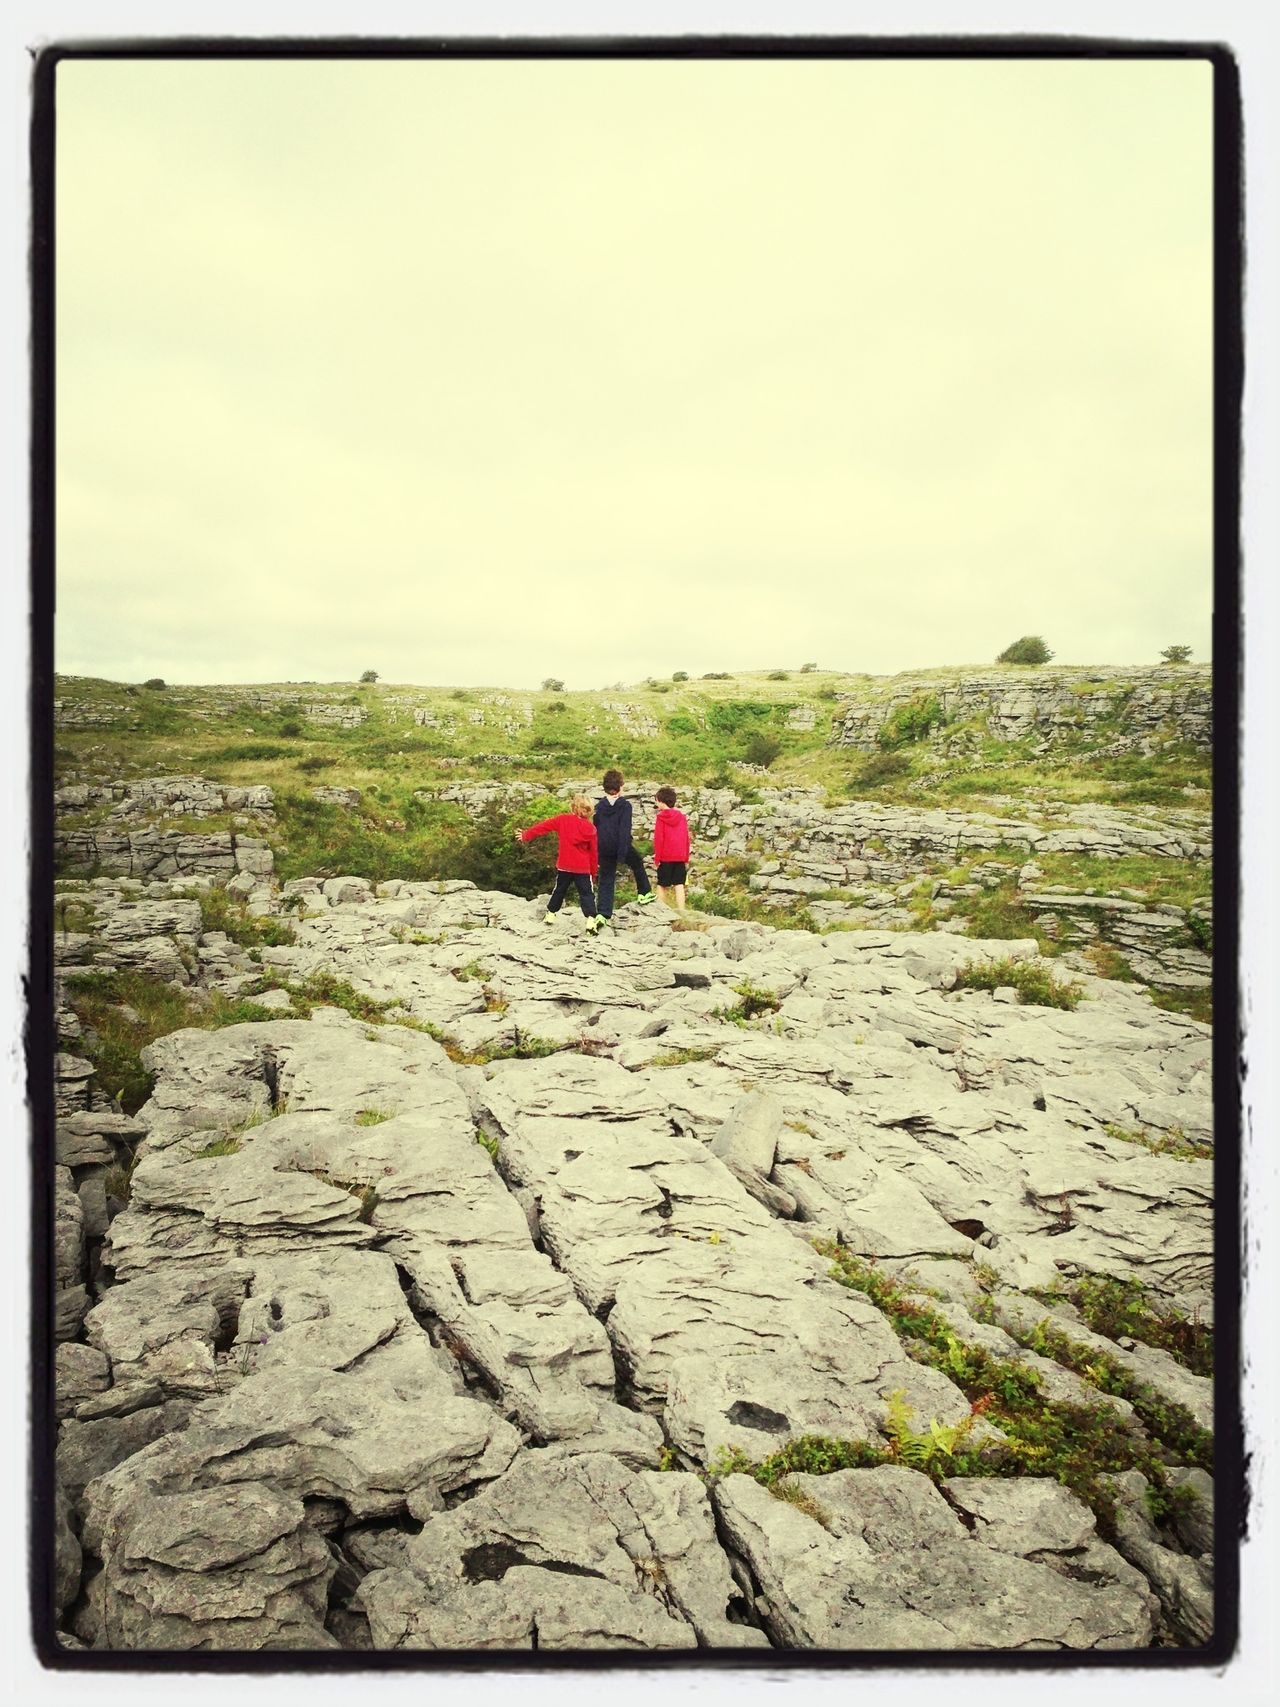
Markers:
667,796
611,782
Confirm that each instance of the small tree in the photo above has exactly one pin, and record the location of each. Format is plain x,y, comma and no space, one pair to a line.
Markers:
369,676
1031,649
680,676
552,684
807,669
1175,655
154,682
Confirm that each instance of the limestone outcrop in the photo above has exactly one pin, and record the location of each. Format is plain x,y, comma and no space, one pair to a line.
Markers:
443,1309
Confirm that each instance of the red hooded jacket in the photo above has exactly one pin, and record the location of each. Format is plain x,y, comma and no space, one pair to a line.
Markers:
670,836
576,849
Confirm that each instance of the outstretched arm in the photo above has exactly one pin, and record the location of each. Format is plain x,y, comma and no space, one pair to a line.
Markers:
543,829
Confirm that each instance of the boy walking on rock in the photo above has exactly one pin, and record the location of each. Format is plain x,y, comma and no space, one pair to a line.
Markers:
671,848
577,860
613,831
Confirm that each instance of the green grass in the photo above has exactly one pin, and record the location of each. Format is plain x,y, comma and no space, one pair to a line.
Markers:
724,901
114,1043
751,1003
230,1144
1035,984
222,912
1114,1308
1079,1445
1195,1004
685,1057
1174,1143
374,1116
1174,882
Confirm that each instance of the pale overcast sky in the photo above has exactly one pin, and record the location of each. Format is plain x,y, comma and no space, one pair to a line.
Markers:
477,372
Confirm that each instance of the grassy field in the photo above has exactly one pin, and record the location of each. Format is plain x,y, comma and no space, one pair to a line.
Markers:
693,732
735,731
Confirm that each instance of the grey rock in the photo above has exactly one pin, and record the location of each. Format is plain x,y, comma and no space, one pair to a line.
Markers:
233,1567
1194,1524
576,1553
1184,1585
80,1371
67,1558
87,1450
881,1561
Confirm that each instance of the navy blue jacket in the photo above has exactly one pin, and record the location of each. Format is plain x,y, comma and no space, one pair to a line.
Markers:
613,827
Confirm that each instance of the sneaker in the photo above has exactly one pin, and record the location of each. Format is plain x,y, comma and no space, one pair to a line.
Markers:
548,918
593,925
647,899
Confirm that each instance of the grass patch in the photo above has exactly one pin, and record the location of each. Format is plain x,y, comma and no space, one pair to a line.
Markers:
727,903
374,1116
1169,1424
1035,984
1194,1004
751,1003
1116,1308
472,971
1164,882
683,1057
1173,1143
1079,1445
222,912
230,1144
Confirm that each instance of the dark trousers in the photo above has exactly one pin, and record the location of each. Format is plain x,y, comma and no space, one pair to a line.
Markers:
586,899
608,876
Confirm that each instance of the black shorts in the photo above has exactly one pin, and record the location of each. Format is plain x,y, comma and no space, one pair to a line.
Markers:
671,872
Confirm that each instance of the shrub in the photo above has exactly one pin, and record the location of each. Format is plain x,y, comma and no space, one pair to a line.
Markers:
1170,655
911,722
369,676
761,748
779,676
552,684
1035,984
290,727
807,669
159,682
717,676
680,676
1030,649
884,768
738,716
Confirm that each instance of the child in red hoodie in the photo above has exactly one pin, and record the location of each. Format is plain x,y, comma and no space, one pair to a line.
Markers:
577,858
671,847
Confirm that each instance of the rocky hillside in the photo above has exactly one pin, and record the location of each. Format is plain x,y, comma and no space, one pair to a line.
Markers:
434,1277
933,733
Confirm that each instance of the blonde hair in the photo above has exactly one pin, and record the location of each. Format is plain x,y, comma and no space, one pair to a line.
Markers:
581,805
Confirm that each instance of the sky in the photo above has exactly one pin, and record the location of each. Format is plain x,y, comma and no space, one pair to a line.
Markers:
481,372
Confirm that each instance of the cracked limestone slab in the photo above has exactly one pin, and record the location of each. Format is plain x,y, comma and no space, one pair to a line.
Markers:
656,1232
880,1560
564,1553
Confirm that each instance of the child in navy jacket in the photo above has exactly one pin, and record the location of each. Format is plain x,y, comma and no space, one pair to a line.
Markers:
577,858
613,830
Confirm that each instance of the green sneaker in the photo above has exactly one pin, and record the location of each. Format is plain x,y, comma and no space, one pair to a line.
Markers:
647,899
593,925
548,918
